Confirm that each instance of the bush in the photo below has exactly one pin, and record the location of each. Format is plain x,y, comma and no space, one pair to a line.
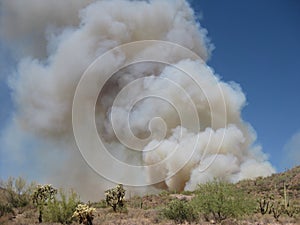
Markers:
99,205
5,209
17,191
292,210
221,200
136,202
179,211
277,209
61,209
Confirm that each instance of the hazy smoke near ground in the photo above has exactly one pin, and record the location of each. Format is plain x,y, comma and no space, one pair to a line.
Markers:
57,40
291,150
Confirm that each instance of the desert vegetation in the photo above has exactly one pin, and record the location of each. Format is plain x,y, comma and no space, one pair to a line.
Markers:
115,197
42,197
271,200
84,214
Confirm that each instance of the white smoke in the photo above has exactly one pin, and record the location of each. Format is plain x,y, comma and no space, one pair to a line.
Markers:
291,151
57,41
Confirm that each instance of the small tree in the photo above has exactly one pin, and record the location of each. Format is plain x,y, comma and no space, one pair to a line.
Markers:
84,214
41,196
221,200
115,197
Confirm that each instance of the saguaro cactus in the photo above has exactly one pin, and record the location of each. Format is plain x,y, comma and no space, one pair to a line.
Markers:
289,208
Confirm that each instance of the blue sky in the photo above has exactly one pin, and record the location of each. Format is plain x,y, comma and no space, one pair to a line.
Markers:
257,46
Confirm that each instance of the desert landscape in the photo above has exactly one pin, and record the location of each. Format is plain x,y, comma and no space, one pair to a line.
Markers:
169,207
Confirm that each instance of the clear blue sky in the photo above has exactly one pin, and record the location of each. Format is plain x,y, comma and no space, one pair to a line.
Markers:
257,46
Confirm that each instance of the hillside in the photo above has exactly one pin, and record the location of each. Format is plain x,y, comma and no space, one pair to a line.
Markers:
275,183
147,209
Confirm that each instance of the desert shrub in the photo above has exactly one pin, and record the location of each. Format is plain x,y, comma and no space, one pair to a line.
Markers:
61,208
17,191
278,203
115,197
84,214
99,205
187,192
5,209
135,202
42,196
221,200
164,193
179,211
277,208
292,210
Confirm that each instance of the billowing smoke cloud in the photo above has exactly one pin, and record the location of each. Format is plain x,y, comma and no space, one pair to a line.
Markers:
57,41
28,25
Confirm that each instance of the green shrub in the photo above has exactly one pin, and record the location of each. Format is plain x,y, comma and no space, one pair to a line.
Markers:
179,211
17,192
277,209
99,205
61,209
292,210
136,202
220,200
164,193
5,209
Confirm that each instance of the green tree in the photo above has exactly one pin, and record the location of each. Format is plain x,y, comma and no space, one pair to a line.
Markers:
220,200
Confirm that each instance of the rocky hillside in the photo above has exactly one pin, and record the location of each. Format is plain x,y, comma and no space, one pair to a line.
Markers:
275,183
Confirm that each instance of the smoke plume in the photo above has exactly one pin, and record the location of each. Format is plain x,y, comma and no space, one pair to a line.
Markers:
56,41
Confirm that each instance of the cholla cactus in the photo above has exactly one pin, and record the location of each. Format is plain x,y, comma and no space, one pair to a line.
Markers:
40,197
115,197
43,193
84,214
266,203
